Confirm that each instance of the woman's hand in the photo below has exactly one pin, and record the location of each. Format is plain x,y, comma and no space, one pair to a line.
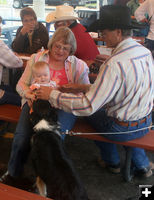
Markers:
43,92
30,97
74,88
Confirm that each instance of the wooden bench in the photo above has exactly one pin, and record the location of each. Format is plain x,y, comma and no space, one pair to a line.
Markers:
11,193
11,113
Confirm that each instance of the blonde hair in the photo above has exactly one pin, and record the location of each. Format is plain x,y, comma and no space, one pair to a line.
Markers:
65,35
39,64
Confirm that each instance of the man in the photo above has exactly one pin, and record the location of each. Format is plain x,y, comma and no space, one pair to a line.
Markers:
124,89
66,16
32,36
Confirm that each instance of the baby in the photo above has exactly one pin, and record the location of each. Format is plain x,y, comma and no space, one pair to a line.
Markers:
41,75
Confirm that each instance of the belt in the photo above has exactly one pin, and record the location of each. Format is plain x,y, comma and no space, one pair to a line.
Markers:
131,123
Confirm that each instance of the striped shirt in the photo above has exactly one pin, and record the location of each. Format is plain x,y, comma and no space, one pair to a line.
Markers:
124,86
8,58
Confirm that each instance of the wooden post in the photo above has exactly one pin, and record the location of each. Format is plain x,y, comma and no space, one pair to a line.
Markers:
39,8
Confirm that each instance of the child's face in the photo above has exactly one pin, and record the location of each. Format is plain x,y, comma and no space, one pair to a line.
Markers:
42,75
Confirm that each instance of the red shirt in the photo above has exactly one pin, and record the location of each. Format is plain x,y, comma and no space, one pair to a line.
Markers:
59,76
86,47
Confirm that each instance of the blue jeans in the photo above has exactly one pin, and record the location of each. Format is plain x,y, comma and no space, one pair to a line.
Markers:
149,44
21,142
9,97
102,123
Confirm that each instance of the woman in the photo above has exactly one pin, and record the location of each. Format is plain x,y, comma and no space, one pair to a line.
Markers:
64,68
32,36
9,60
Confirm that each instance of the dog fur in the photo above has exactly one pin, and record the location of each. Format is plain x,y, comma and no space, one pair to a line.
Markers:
56,176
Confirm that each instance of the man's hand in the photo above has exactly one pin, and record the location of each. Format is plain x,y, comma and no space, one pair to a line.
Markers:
28,28
43,92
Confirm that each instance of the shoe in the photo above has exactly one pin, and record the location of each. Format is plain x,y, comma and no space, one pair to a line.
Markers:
7,179
145,172
115,169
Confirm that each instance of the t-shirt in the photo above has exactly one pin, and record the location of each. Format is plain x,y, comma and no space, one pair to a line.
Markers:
58,76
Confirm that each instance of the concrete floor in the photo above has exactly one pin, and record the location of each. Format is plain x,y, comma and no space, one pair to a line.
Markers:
100,184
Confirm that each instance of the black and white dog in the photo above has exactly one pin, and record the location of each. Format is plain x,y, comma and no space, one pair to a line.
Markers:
55,174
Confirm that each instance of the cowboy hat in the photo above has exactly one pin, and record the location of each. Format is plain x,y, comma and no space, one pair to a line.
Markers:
114,17
62,12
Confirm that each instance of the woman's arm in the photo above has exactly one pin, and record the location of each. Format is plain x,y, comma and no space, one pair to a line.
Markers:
26,78
8,58
141,11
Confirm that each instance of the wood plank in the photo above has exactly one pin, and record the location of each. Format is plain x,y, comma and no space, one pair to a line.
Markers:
9,113
12,193
145,142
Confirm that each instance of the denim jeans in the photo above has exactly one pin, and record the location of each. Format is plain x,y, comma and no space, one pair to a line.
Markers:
9,97
21,142
102,123
149,44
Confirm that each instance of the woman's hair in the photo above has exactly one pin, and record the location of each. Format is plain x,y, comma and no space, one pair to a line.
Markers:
65,35
27,11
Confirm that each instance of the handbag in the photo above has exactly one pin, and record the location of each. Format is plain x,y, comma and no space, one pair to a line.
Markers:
143,31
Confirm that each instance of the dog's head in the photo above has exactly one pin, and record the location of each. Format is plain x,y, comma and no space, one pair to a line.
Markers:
43,110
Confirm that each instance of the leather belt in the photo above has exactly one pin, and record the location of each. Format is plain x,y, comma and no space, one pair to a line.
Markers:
131,123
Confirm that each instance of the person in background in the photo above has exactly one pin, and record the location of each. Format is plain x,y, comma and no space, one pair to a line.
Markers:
121,99
66,16
133,5
32,35
10,60
65,68
147,7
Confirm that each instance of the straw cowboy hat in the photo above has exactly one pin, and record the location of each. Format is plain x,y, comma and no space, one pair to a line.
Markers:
114,17
62,12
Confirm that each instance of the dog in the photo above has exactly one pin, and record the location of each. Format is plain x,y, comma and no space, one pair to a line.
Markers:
55,174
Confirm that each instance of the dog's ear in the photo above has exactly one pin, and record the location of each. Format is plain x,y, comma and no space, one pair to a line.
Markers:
41,108
53,114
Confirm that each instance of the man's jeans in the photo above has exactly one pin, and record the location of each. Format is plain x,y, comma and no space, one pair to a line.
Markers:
102,123
149,44
21,142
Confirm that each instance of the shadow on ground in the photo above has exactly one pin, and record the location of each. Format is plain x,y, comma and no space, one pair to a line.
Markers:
100,184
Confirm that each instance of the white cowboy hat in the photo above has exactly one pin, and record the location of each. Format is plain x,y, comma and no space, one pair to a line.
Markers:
62,12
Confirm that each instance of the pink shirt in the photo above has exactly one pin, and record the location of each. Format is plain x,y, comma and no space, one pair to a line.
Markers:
58,76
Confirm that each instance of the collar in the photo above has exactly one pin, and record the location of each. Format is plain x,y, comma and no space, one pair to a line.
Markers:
125,43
